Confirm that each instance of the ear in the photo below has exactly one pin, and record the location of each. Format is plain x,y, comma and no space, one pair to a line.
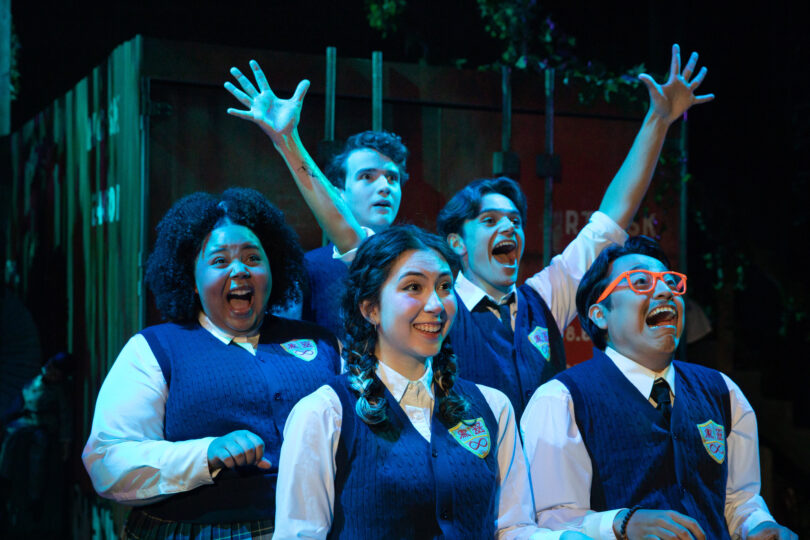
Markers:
456,243
597,313
370,312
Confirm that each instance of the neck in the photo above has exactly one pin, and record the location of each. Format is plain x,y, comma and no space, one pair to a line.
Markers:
495,291
407,366
654,362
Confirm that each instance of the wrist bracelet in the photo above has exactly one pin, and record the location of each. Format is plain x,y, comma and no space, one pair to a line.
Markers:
626,520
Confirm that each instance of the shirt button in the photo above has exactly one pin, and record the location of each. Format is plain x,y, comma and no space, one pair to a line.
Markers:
445,514
277,396
435,453
528,393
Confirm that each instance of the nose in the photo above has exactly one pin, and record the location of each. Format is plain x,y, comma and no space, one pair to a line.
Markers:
506,224
239,269
434,304
662,290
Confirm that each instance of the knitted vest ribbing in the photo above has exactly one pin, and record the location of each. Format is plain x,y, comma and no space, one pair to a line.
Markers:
488,355
215,389
636,457
391,483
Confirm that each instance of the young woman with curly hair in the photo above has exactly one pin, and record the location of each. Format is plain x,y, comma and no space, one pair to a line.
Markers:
399,447
188,421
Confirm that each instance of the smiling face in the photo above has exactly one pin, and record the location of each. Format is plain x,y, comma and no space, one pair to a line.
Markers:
415,311
373,189
643,327
232,277
491,245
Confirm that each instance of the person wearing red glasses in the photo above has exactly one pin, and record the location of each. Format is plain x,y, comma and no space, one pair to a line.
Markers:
633,444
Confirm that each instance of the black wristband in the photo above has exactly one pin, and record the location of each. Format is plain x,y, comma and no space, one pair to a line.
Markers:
626,520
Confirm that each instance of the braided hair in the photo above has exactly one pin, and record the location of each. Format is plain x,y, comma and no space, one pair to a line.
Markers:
370,269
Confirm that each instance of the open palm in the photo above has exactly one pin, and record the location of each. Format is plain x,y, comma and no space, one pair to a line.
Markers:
675,96
277,117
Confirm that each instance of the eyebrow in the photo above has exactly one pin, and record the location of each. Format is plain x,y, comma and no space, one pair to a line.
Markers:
375,169
224,247
422,274
501,210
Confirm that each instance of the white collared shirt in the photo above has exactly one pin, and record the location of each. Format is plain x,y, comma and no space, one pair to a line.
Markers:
561,470
305,492
557,283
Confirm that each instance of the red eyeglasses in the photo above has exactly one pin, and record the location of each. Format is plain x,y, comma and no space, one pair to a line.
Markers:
643,281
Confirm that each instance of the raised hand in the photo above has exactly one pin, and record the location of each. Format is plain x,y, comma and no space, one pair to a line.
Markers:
770,530
277,117
237,448
659,524
674,97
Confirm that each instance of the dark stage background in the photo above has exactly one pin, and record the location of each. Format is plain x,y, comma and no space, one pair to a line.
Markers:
748,194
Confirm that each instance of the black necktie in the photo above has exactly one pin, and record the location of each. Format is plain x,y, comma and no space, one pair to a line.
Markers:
660,394
504,310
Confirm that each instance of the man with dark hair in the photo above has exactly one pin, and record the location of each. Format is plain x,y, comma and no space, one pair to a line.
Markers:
633,444
510,337
369,174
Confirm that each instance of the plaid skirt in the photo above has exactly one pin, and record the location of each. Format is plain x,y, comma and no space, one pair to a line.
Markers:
142,526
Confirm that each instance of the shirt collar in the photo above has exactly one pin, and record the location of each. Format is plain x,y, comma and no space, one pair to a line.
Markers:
249,343
639,376
397,384
471,294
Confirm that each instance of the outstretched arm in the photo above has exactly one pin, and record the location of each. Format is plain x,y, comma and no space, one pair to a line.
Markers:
667,103
279,119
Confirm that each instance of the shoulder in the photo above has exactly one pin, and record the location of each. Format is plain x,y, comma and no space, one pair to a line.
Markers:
319,410
703,373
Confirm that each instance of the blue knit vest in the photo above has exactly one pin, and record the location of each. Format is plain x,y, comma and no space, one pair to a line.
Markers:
215,389
391,483
636,457
516,365
322,298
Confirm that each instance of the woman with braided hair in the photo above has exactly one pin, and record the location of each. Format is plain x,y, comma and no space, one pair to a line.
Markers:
398,447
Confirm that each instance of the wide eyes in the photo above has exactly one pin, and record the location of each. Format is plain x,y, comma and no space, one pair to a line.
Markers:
370,176
249,258
491,220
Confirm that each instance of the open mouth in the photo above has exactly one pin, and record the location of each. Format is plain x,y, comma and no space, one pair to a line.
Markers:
662,316
240,299
430,328
382,204
505,252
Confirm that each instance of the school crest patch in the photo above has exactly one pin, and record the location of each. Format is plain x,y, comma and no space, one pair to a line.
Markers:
539,338
474,436
713,436
305,349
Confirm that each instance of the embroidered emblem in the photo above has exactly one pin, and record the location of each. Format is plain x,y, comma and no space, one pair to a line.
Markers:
305,349
539,338
713,436
473,436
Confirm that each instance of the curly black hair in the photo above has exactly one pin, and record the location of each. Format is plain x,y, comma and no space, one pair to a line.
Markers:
597,278
180,235
384,142
370,269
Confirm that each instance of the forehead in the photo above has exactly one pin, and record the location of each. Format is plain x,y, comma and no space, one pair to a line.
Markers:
368,158
636,261
422,261
497,202
230,235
